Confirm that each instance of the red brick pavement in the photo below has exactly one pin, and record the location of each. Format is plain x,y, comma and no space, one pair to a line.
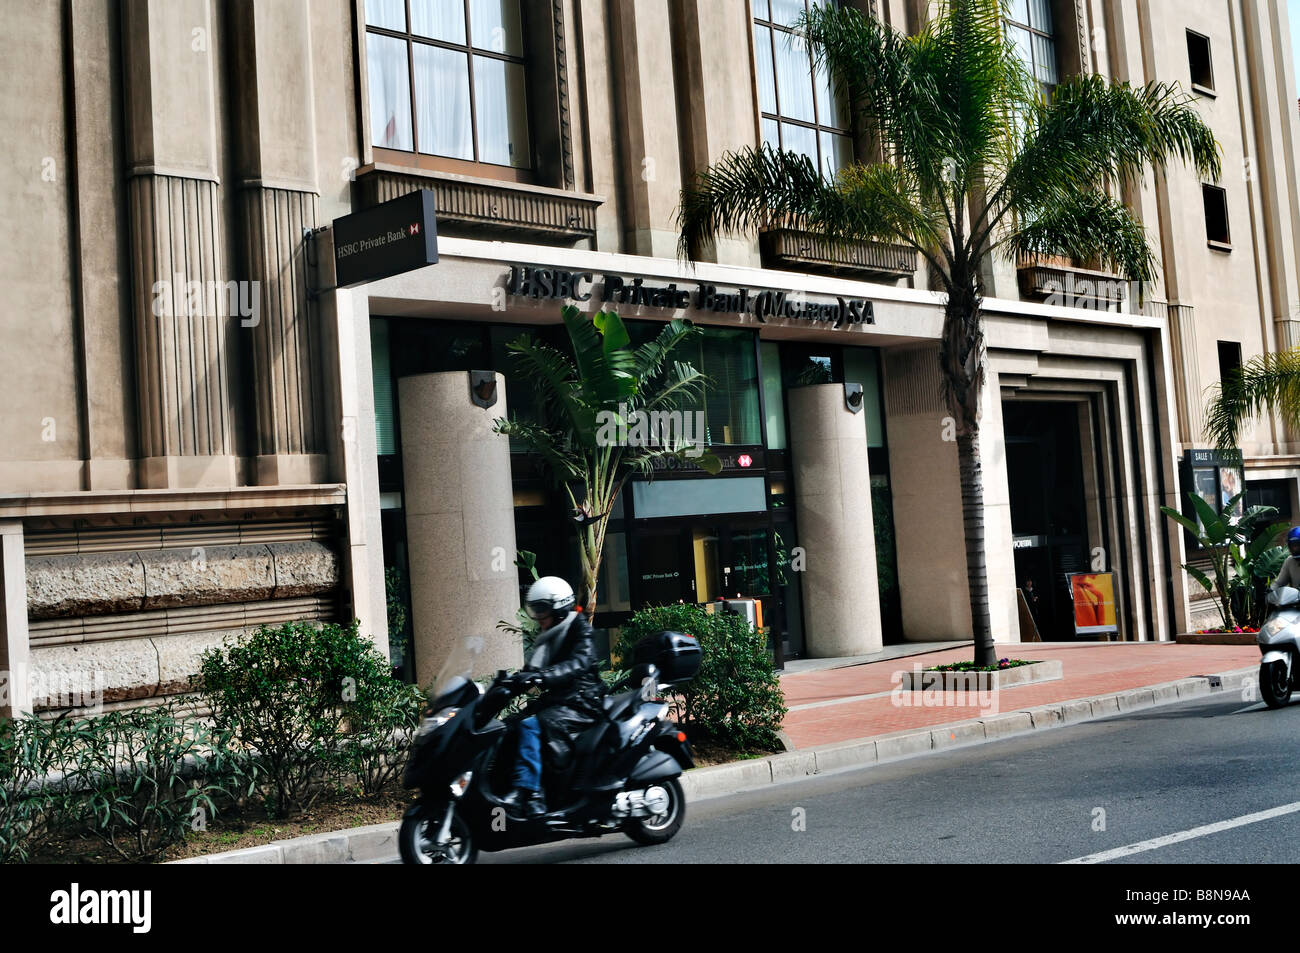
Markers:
1088,669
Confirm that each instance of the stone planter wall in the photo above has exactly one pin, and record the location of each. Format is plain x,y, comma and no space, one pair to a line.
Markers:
920,680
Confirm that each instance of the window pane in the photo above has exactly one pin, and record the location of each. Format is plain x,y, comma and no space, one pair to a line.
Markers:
494,25
1019,11
442,102
828,107
731,400
770,134
761,10
1024,46
439,19
799,139
766,71
1040,15
837,152
390,92
773,395
389,14
1045,60
785,12
500,112
794,77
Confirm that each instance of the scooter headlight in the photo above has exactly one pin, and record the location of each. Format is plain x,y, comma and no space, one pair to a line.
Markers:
1273,626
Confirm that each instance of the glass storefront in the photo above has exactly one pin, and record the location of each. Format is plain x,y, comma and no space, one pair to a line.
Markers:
681,536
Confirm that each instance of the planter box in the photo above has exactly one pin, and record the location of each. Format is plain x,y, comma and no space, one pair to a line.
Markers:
1215,638
1046,671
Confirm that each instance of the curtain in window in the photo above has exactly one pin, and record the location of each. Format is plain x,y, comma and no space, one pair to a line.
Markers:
442,101
500,111
793,78
439,19
390,93
495,26
766,71
389,14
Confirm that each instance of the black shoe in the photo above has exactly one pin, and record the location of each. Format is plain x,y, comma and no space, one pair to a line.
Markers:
534,804
524,804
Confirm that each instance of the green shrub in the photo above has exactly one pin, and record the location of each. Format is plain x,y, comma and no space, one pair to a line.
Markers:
736,698
144,777
376,747
293,695
30,808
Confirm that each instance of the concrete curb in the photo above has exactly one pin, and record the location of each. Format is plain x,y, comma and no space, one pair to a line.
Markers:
380,840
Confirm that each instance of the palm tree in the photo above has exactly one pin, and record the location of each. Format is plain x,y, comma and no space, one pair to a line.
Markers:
1269,383
592,405
972,161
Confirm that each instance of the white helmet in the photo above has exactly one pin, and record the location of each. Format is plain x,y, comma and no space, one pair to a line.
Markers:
549,595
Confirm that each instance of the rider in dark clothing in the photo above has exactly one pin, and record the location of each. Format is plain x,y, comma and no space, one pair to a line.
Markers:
563,664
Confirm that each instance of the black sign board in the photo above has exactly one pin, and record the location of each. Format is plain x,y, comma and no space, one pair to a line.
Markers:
397,236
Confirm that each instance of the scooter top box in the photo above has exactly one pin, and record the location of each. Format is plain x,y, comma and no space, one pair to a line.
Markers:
675,654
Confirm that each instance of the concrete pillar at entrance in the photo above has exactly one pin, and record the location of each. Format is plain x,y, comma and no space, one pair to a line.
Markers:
460,522
926,489
15,693
841,598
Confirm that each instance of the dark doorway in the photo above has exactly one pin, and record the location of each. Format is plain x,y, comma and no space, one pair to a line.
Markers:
1048,515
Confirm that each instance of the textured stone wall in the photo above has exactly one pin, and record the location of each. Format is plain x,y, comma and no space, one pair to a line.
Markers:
102,583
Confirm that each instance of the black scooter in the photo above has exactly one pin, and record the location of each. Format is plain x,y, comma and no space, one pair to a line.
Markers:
621,775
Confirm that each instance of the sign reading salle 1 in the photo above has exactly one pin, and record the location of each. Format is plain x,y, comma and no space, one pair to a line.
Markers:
554,283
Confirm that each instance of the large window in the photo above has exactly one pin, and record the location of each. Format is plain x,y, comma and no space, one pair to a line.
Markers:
800,111
1030,28
447,81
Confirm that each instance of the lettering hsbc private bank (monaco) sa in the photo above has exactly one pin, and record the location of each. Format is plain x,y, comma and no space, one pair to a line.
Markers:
557,284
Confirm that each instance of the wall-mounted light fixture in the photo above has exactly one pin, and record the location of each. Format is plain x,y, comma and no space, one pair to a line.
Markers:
483,388
853,397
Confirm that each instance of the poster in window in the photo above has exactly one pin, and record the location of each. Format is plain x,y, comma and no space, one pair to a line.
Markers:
1230,485
1094,603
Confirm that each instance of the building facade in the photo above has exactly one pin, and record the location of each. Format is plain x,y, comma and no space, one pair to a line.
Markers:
204,433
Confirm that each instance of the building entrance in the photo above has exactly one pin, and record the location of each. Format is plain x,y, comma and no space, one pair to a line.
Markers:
1048,516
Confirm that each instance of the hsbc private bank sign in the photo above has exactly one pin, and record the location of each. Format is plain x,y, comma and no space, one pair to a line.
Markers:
762,304
388,239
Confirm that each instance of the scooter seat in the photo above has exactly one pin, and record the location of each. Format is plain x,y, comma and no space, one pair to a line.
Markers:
615,705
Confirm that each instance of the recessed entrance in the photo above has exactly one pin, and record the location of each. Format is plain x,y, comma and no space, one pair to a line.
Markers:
1048,514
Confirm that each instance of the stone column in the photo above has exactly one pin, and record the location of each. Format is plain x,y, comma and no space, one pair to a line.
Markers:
15,653
460,522
275,136
181,301
828,448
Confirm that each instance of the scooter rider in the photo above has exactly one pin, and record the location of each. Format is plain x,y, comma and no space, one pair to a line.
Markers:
1289,574
563,664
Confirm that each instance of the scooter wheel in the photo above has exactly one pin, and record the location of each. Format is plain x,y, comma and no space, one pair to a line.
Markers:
1274,684
416,839
660,828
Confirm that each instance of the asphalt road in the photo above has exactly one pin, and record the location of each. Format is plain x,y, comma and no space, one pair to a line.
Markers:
1046,797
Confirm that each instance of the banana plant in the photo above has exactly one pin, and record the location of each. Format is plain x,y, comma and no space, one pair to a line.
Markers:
591,402
1243,555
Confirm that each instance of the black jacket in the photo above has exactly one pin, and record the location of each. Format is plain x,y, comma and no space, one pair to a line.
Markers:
569,675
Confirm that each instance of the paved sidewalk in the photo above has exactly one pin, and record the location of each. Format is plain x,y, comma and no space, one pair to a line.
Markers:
845,704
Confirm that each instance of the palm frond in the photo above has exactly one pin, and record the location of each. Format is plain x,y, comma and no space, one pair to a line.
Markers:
1269,383
1087,225
554,378
1094,131
649,358
604,372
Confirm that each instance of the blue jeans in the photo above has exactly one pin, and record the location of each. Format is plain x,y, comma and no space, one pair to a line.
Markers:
528,772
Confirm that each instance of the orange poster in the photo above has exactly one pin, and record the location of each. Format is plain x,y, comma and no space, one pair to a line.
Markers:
1094,602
